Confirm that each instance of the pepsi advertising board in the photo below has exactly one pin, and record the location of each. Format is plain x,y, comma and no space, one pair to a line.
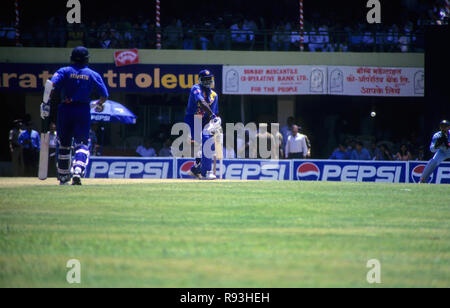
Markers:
130,168
242,169
350,171
282,170
441,174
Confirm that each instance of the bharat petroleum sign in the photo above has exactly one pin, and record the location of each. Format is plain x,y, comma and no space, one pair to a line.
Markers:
129,78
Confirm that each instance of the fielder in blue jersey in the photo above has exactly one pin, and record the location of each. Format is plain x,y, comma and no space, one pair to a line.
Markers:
76,84
203,105
440,144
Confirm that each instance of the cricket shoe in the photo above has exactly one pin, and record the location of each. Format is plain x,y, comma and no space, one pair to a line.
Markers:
210,176
76,179
64,179
195,172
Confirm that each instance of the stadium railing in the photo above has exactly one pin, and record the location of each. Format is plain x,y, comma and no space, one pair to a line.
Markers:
225,39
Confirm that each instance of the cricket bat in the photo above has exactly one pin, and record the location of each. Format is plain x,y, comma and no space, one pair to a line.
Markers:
218,141
43,154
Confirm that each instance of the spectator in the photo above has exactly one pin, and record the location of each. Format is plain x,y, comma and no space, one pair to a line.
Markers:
350,144
15,149
239,36
404,154
279,136
296,37
296,145
392,38
53,143
374,151
406,38
75,35
264,136
281,39
93,142
220,38
286,130
146,150
228,150
368,41
251,28
30,142
189,39
356,39
316,40
173,35
308,144
340,153
421,154
92,35
385,154
360,153
166,150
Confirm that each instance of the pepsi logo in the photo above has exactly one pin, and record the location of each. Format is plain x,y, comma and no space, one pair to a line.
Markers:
308,172
416,174
185,168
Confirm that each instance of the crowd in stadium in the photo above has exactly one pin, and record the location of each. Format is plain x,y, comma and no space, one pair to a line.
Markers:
235,31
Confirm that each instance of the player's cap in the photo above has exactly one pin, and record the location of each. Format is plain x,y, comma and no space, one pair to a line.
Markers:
80,54
445,122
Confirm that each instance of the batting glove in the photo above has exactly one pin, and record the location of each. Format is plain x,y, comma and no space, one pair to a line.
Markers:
45,110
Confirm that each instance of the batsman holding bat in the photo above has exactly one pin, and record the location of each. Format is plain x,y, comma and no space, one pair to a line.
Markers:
202,108
440,144
76,83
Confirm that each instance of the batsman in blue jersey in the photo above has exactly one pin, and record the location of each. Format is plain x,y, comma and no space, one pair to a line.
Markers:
440,144
76,83
203,107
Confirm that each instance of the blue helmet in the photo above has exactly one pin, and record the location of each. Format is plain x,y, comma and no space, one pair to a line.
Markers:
206,78
80,55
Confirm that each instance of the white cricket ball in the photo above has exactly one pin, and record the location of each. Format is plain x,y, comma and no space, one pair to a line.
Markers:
373,114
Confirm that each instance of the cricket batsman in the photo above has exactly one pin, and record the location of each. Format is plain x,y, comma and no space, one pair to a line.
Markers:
203,107
76,84
440,144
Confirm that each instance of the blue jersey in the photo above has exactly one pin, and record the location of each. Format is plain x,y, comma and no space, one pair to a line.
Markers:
436,136
197,94
337,154
33,138
364,155
77,84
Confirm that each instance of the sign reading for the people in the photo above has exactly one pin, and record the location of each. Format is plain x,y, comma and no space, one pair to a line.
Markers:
333,80
274,80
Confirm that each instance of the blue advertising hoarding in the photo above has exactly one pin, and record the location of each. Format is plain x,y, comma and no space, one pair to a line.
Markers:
280,170
242,169
148,78
348,170
130,168
441,174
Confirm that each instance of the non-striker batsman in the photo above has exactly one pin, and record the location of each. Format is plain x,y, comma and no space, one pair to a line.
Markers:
76,83
203,105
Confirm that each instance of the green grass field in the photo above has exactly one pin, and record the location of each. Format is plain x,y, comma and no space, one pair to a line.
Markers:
224,234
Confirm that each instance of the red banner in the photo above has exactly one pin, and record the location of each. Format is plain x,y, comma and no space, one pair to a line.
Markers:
126,57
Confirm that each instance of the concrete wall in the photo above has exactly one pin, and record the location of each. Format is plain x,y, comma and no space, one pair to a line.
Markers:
61,55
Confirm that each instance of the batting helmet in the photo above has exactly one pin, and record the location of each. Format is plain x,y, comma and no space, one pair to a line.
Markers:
445,122
206,78
80,55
